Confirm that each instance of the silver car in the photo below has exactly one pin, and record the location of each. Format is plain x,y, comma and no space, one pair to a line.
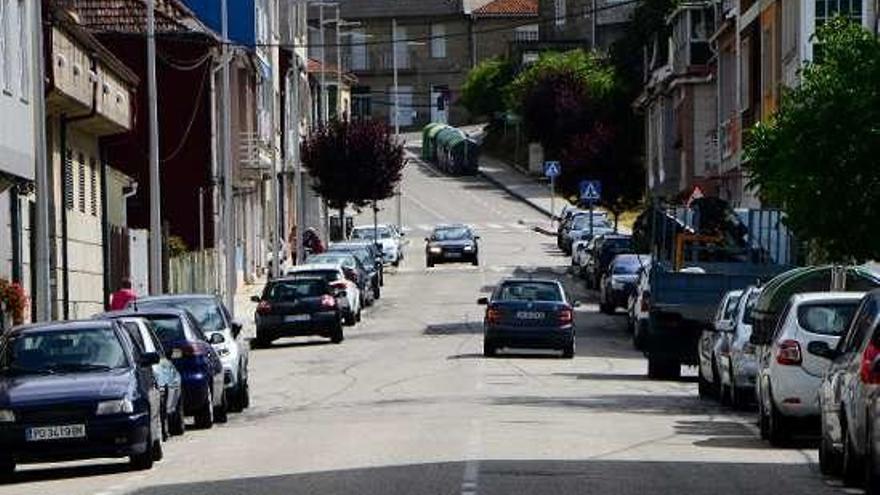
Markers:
740,367
713,344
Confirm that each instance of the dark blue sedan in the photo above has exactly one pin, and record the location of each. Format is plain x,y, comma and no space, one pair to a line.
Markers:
77,390
200,368
529,314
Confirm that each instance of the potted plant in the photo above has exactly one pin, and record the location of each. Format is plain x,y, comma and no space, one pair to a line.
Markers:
13,301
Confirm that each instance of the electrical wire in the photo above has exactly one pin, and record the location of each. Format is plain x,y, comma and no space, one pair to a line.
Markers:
192,118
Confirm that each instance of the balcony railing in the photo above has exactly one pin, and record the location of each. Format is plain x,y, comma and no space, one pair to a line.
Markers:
254,153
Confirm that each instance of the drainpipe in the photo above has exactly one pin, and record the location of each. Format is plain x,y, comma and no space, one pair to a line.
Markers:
65,121
105,229
15,227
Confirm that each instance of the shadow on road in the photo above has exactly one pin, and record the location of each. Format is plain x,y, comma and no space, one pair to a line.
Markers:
25,475
459,328
528,477
648,403
289,344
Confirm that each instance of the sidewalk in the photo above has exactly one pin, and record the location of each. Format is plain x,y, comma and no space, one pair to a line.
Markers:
533,191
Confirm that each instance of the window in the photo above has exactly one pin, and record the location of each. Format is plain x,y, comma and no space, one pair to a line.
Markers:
826,319
5,29
559,6
81,183
526,33
68,180
358,50
438,40
864,321
828,9
790,24
93,187
24,55
745,64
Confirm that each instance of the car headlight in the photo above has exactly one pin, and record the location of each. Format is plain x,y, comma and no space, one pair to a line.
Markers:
469,248
7,416
435,249
616,284
223,351
119,406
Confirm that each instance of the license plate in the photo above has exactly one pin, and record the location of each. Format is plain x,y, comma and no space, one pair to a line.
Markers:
44,433
453,255
296,318
530,315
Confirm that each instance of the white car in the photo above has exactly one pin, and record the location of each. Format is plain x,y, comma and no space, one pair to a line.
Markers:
335,276
740,365
790,377
712,345
389,238
639,310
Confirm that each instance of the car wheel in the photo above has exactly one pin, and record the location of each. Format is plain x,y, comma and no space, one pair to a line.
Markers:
396,262
221,412
737,398
337,336
704,388
235,404
777,427
262,340
358,316
568,351
7,466
852,464
177,425
663,369
607,308
377,292
829,460
204,419
350,319
246,395
489,349
145,460
475,261
429,264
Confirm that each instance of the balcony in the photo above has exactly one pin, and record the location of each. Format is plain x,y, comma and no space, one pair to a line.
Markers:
255,156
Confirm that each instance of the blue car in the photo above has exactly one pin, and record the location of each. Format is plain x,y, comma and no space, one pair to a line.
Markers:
77,390
529,314
200,368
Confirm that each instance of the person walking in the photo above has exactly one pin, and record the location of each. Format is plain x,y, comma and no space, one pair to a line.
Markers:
121,298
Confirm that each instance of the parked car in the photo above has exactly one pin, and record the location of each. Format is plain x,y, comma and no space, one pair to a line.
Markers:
167,377
77,390
620,281
789,378
579,228
580,250
848,397
388,237
452,243
604,250
368,259
529,313
298,307
739,365
335,276
713,345
640,306
193,354
354,270
214,319
373,251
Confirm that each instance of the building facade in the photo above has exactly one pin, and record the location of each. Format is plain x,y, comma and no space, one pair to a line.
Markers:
593,24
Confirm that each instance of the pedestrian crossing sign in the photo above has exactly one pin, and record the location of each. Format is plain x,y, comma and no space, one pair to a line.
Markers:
591,190
552,169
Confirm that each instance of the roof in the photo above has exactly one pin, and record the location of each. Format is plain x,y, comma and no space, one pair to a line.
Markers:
530,280
308,267
156,310
71,25
508,8
175,297
827,296
129,16
61,325
316,67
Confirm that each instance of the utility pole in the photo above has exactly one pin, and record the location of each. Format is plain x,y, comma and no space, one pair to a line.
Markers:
155,184
43,299
399,201
225,133
299,32
322,95
338,68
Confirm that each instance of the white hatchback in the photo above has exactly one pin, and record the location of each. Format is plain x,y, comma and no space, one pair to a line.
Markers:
790,377
335,276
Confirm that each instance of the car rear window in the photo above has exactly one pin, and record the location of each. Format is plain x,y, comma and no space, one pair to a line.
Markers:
626,265
826,318
291,290
168,328
529,291
205,311
327,275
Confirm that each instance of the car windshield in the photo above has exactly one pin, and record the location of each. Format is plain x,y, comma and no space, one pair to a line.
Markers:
360,253
63,351
206,311
291,290
529,291
628,265
730,308
748,317
451,234
826,318
367,233
331,259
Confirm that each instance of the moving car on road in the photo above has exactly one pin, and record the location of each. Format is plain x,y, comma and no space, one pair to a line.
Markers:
714,346
789,378
452,243
77,390
529,313
214,319
194,356
333,274
298,307
388,238
620,281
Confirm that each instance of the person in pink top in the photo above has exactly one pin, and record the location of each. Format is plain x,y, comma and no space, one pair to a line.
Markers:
123,296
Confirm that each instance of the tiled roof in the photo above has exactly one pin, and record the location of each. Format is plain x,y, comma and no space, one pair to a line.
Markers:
508,8
127,16
315,67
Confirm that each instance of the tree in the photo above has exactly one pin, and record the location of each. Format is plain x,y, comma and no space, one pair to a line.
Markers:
353,163
817,157
484,90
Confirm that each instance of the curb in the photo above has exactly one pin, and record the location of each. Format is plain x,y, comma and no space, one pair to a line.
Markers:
542,230
515,194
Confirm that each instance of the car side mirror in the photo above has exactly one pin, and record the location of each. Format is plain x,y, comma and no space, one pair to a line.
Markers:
483,301
821,349
149,359
255,299
427,239
342,293
216,339
236,327
476,238
576,304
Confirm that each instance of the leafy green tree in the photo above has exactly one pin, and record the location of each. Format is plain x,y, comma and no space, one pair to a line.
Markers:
353,163
483,92
817,157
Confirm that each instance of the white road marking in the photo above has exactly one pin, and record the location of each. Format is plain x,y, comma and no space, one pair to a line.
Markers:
494,226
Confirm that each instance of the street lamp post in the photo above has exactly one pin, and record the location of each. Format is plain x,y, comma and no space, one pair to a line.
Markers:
155,185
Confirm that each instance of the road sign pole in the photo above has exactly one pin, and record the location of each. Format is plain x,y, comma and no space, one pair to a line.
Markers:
552,200
591,219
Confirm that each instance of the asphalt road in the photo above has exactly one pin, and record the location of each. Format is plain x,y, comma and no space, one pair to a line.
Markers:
408,405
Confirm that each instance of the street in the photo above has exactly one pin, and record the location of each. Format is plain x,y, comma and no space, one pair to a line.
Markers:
408,404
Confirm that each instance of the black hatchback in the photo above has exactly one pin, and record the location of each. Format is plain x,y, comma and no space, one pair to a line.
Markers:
531,314
297,307
452,243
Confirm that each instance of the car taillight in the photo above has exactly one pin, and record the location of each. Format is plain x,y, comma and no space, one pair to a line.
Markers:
328,301
264,307
789,353
187,350
493,316
566,316
339,285
646,302
866,371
